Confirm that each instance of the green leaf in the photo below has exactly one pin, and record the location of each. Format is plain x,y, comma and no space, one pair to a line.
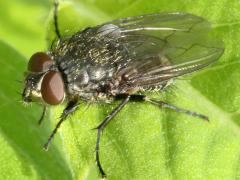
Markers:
23,24
143,141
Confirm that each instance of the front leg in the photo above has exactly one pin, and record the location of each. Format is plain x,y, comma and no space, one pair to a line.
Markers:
43,115
70,109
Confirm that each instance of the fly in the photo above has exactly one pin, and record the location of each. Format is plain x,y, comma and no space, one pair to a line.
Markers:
119,60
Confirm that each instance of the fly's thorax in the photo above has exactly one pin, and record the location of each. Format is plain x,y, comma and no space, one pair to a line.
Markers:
88,60
43,82
87,81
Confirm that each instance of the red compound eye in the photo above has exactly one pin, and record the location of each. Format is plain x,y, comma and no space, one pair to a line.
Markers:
39,62
52,88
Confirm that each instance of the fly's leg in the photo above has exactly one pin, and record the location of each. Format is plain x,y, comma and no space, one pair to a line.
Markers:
42,116
101,127
165,105
177,109
137,98
55,17
70,109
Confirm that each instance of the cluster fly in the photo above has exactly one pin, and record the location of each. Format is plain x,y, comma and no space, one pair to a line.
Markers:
119,61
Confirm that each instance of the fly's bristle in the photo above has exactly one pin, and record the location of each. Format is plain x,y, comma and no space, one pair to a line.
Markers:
19,81
18,93
25,104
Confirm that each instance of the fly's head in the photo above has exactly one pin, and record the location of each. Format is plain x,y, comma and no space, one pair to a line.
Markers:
43,82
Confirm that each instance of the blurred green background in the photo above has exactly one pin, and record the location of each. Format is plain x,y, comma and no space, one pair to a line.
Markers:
142,142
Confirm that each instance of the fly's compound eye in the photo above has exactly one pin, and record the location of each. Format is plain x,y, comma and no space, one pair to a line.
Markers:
39,62
52,88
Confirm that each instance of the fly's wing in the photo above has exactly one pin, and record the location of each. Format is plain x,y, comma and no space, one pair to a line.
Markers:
162,46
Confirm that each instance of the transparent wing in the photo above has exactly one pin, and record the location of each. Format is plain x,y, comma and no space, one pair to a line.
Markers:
162,46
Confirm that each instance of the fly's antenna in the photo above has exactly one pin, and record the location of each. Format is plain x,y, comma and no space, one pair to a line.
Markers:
56,4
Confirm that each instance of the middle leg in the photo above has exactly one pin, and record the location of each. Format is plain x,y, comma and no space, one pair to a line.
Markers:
101,127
